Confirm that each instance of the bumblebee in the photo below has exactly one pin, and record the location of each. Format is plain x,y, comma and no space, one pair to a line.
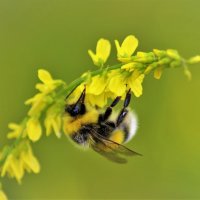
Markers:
89,127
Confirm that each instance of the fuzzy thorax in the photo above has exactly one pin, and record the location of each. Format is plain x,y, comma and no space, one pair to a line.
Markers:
73,124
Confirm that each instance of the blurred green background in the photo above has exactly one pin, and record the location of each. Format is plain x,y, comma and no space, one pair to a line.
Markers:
55,35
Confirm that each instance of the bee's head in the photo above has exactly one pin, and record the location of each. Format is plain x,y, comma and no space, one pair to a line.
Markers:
77,108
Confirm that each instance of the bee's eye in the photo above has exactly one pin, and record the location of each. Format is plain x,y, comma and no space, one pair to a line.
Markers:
75,109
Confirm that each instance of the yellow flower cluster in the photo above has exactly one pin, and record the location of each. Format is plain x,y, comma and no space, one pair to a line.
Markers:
18,158
38,104
110,84
21,159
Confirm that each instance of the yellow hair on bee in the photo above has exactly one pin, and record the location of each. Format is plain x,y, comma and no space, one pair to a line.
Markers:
117,136
72,125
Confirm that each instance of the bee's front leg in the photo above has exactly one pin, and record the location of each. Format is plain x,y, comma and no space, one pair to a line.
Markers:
124,110
103,117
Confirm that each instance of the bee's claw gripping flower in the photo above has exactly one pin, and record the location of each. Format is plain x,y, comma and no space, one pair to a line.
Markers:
102,52
128,47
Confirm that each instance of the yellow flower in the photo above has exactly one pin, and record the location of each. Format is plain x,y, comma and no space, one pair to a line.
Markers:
132,66
173,54
30,162
158,72
134,82
42,99
159,53
129,66
53,120
16,130
194,60
117,85
150,67
143,57
102,52
3,195
39,102
97,85
21,158
13,167
99,100
125,51
49,84
34,129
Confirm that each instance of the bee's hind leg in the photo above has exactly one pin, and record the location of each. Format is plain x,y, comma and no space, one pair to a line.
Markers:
124,110
103,117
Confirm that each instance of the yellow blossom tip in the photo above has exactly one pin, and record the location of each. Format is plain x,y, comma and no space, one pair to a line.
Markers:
158,73
34,129
44,76
194,60
127,48
103,49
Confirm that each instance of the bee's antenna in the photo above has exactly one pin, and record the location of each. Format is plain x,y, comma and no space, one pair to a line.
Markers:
73,91
82,97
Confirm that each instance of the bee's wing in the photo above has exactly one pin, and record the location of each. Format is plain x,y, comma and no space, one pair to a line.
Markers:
114,146
98,146
109,149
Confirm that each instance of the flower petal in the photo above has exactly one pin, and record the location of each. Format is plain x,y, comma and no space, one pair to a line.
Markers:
97,86
17,168
93,56
135,83
117,85
103,49
97,100
44,76
102,52
129,45
34,129
158,72
31,162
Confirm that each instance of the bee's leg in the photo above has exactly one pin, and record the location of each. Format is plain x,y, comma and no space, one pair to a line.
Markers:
124,110
103,117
